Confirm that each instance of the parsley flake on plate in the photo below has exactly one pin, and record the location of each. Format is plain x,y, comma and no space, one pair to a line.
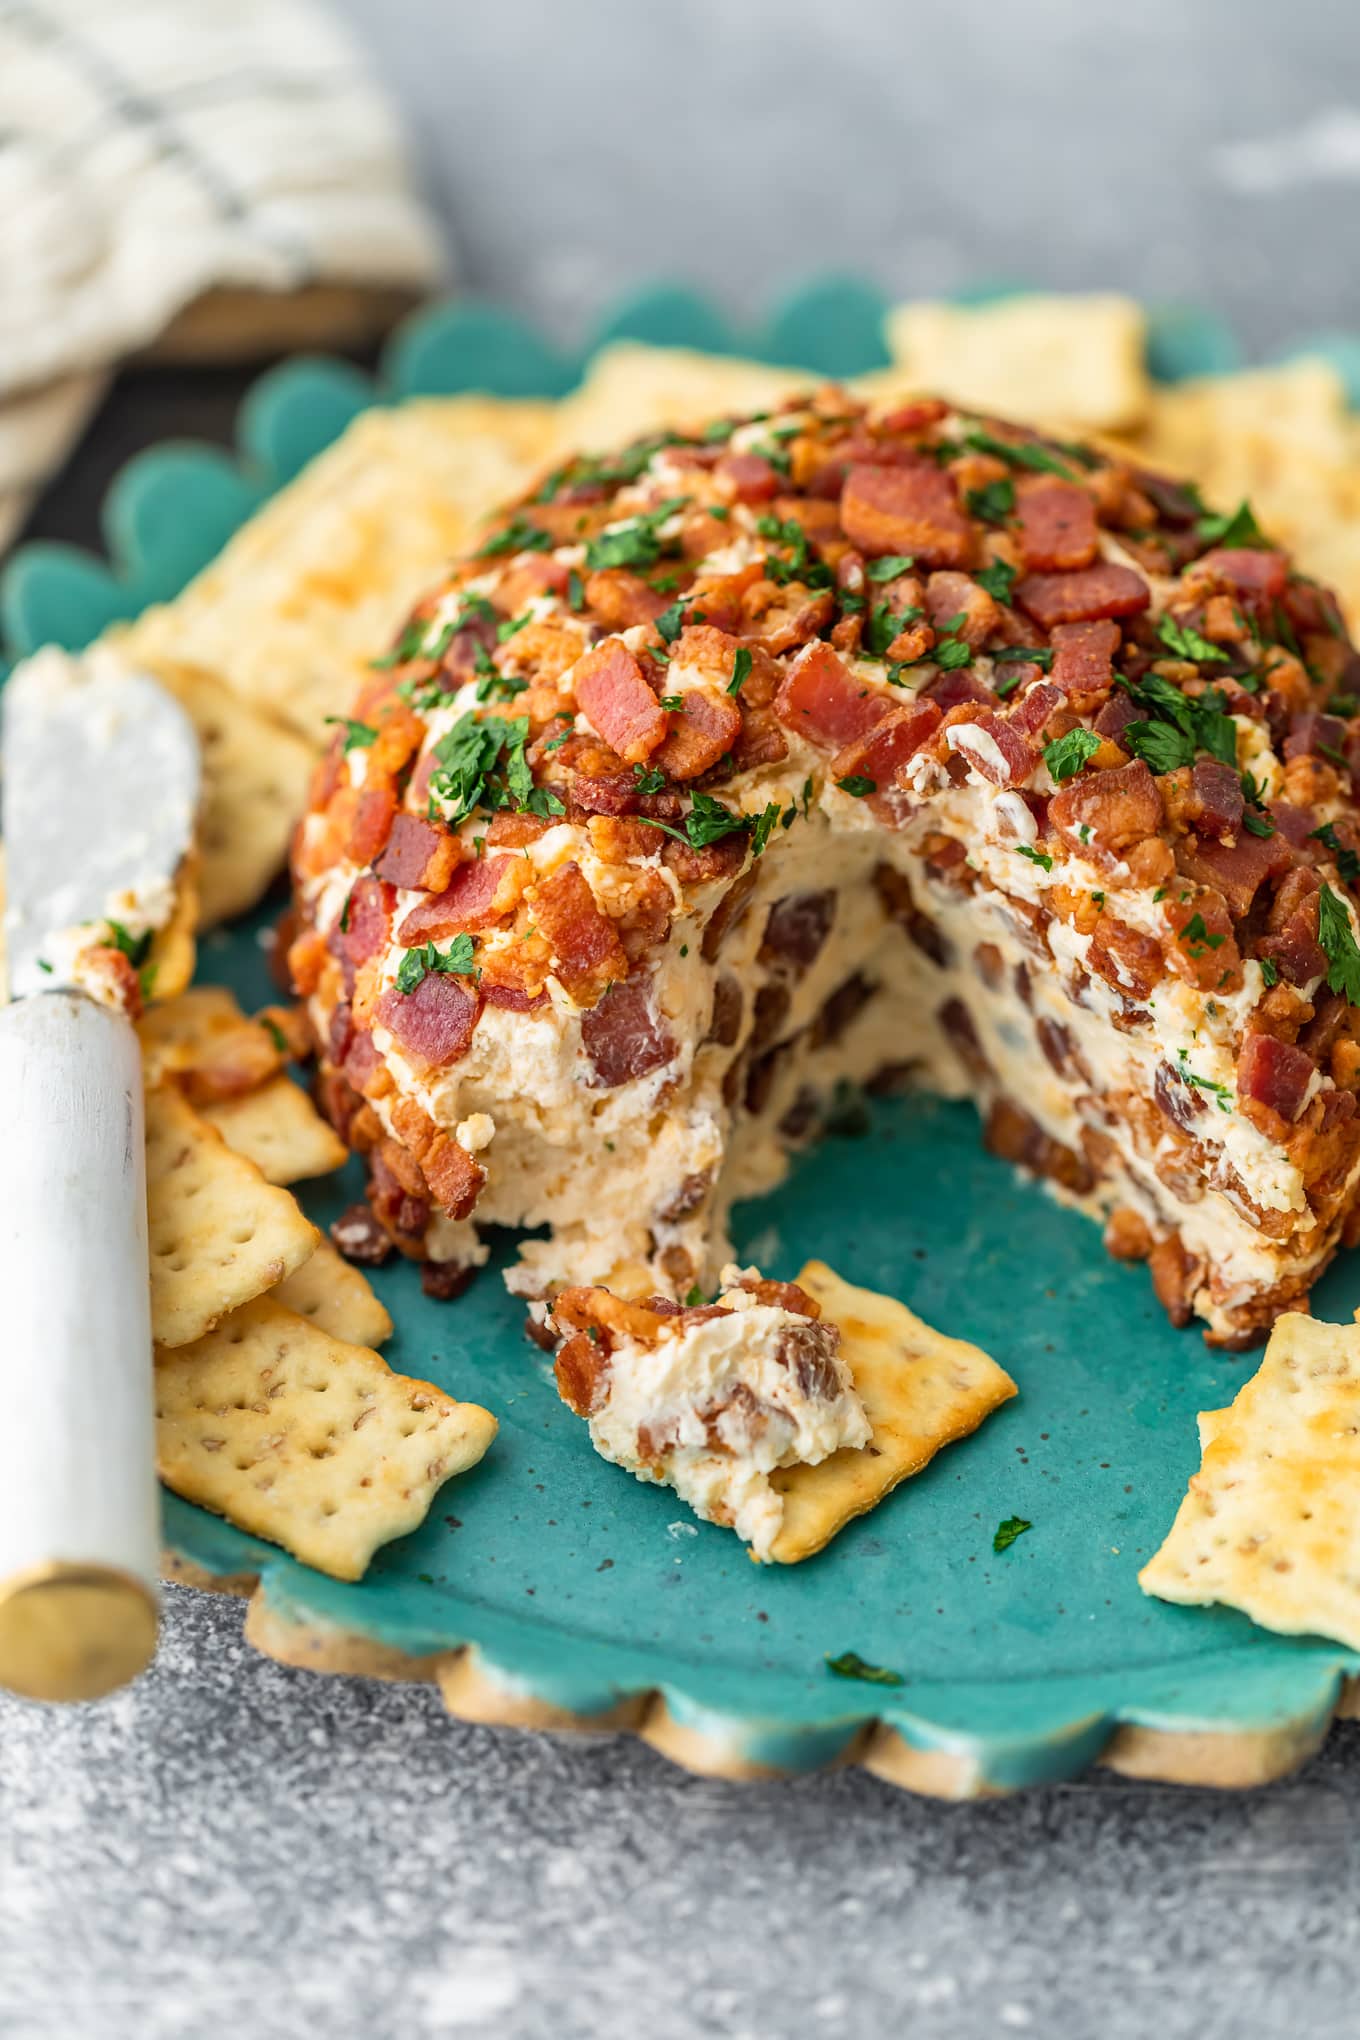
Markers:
1008,1531
1040,857
850,1665
890,566
741,669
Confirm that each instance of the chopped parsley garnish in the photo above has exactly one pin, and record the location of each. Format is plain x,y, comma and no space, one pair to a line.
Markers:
890,566
671,621
482,764
671,702
417,964
1338,942
1270,970
764,824
1008,1531
1188,1076
1257,825
952,652
1196,937
136,948
708,821
741,669
1066,755
884,624
1035,856
850,1665
519,535
410,645
494,686
857,785
649,778
344,913
1034,655
998,579
511,626
1019,453
275,1033
1186,642
358,735
1240,529
576,592
43,964
1183,725
1347,863
636,543
993,502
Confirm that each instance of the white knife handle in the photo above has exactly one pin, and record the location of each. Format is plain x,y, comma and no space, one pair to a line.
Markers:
79,1512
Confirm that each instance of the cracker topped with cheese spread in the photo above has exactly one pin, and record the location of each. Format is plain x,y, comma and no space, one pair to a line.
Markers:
831,746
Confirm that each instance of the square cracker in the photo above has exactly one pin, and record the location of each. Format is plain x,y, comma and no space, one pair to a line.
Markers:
1271,1522
631,389
331,1292
207,1043
300,1438
319,581
255,775
219,1234
280,1130
1076,361
920,1391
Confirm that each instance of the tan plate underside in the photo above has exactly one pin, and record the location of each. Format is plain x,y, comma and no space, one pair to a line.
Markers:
1228,1760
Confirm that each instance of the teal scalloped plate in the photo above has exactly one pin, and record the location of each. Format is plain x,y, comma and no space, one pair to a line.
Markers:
580,1587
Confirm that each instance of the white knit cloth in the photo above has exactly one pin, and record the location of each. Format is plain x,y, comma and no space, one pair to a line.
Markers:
155,150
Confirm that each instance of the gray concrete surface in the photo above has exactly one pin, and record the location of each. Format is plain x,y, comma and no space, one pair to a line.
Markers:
235,1846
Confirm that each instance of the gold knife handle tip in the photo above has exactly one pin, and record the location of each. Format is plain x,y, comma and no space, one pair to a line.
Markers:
74,1632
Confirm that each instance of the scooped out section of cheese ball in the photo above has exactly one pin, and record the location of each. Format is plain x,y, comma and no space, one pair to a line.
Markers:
839,747
710,1399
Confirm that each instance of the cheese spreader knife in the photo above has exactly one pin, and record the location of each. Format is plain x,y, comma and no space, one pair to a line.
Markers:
100,789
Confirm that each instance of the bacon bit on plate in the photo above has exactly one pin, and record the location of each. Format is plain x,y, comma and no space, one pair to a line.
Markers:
611,691
455,1179
1103,590
588,956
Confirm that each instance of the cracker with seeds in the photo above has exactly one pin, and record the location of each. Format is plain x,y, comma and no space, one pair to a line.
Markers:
920,1391
1075,361
631,389
299,1438
331,1292
255,774
204,1040
219,1234
1271,1522
280,1130
316,583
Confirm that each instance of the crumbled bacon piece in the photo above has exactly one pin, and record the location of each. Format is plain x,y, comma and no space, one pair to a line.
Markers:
1274,1074
1083,659
479,892
912,510
436,1021
820,700
1237,869
702,729
620,600
1034,708
455,1179
587,953
880,754
1252,574
1218,803
357,1235
955,686
950,595
365,924
781,1296
1058,530
1292,943
373,816
611,691
1313,734
1202,948
993,745
1116,808
624,1036
418,855
747,478
1091,592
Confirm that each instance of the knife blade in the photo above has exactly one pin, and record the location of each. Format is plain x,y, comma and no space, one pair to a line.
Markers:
101,781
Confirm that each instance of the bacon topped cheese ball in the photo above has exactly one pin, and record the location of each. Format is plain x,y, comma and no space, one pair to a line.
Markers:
827,744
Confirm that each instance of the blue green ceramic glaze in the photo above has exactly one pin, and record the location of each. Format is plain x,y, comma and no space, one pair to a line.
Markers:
579,1585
